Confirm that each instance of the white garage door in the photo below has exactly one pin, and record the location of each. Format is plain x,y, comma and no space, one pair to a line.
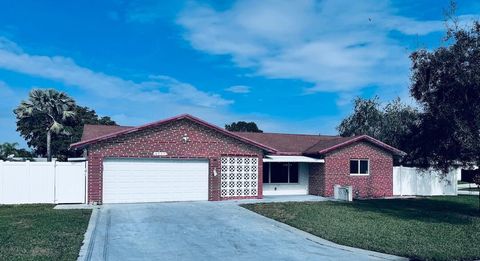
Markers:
144,180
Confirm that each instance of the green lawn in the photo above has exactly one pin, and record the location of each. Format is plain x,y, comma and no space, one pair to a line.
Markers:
38,232
436,228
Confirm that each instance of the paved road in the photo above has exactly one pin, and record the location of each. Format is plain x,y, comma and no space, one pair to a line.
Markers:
204,231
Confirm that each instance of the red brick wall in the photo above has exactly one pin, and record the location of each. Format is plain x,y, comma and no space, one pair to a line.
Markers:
316,179
378,184
204,143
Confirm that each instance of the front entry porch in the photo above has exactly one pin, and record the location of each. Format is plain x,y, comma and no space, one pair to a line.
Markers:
287,175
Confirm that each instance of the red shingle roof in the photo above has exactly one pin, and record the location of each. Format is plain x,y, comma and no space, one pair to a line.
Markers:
290,144
93,131
299,144
278,143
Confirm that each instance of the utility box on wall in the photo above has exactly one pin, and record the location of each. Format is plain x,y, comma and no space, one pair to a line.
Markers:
344,193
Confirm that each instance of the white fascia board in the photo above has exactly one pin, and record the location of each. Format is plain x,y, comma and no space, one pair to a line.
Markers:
274,158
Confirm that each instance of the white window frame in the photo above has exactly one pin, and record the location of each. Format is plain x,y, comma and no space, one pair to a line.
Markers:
288,171
358,162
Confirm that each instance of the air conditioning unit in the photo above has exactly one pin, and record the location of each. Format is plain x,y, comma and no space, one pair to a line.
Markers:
344,193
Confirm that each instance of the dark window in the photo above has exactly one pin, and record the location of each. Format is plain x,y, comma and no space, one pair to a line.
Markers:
359,166
353,166
279,172
294,172
363,166
266,169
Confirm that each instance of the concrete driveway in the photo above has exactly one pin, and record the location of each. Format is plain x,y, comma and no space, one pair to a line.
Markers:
204,231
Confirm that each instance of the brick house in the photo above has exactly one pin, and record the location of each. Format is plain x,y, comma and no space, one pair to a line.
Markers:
185,158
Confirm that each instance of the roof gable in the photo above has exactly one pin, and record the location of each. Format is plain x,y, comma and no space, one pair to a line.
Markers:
112,132
325,147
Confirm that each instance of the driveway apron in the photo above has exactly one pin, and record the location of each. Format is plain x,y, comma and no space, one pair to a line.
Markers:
203,231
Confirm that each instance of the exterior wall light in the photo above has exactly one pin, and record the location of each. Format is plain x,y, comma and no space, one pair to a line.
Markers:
185,138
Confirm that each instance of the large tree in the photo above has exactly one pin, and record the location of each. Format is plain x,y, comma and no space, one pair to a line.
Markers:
243,126
48,109
446,84
74,126
367,118
34,131
392,124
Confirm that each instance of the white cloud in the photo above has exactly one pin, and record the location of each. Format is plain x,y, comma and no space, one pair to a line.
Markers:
63,69
238,89
127,102
157,97
411,27
334,45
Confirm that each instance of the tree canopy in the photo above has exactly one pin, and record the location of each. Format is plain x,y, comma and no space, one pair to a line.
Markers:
446,84
367,118
34,130
48,109
11,149
392,124
243,126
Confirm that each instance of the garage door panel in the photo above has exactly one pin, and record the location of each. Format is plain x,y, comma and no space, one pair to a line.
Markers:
166,177
128,181
139,189
153,165
152,181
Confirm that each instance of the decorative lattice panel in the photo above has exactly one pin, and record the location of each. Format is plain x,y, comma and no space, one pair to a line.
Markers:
239,176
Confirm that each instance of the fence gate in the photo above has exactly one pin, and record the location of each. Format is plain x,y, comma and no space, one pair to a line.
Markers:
42,182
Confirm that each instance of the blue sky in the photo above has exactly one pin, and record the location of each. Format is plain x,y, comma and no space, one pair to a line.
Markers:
290,66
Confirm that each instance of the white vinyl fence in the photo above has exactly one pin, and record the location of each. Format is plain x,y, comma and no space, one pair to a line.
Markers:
42,182
416,182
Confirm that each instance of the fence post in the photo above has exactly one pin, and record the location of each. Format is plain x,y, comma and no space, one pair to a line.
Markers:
2,182
455,183
29,188
401,180
86,181
54,165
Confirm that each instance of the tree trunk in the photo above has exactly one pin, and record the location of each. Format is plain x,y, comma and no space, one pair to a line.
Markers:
49,152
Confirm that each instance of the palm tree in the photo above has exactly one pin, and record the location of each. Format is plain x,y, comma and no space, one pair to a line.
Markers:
55,106
7,149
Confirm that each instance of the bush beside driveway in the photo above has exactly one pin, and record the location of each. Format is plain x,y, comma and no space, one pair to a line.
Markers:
435,228
38,232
